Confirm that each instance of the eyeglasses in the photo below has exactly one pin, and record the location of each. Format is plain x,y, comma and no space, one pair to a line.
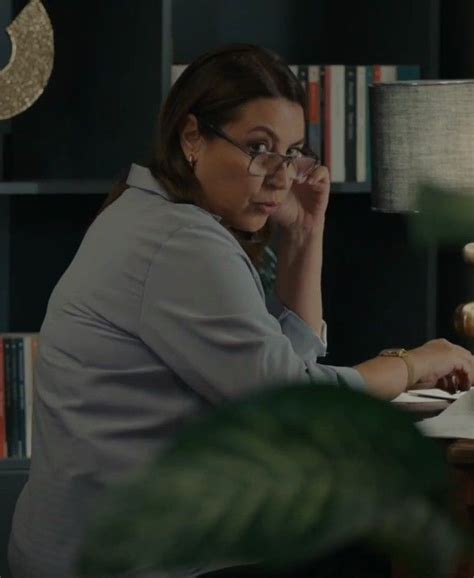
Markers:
266,164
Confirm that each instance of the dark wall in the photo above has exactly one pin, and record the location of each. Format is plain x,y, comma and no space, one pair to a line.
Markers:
378,289
46,232
99,108
96,116
455,278
312,31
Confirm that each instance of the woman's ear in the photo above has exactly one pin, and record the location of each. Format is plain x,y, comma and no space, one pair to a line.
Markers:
190,137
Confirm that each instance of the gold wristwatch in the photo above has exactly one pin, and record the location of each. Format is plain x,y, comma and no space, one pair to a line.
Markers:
403,354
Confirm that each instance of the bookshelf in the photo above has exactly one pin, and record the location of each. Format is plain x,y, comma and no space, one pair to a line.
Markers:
56,187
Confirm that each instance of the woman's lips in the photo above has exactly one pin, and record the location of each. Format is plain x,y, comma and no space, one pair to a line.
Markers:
267,208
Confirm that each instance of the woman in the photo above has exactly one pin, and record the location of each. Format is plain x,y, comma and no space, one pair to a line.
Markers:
161,314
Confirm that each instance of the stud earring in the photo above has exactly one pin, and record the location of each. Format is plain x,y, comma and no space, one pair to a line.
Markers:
192,162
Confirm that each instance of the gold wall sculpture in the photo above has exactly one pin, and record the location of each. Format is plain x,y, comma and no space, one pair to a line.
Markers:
25,77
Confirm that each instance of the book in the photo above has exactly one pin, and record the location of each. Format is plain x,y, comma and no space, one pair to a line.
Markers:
19,358
30,344
324,81
361,124
176,71
20,386
350,128
303,78
408,72
10,399
336,111
294,69
370,72
314,109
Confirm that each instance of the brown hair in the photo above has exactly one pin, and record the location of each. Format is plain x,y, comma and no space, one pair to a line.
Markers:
214,87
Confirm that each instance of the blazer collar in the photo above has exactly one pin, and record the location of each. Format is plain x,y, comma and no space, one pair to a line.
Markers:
142,178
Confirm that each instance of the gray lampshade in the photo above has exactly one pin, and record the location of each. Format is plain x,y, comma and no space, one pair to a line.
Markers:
422,132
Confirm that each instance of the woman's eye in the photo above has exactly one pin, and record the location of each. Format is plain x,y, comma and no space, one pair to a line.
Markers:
259,147
295,153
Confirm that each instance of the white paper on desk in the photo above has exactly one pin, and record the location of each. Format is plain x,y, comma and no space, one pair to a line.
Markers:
426,395
456,421
436,393
409,398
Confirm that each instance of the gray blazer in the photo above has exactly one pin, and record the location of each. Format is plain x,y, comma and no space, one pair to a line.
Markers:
160,316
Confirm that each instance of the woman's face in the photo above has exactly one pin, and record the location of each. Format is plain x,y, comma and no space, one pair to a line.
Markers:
244,201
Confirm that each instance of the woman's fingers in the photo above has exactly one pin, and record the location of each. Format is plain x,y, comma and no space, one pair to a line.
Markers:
450,364
318,175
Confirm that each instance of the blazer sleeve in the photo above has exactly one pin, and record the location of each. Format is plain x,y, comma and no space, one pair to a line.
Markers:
204,316
306,342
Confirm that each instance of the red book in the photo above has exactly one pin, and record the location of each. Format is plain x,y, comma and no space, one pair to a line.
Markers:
377,73
3,423
327,115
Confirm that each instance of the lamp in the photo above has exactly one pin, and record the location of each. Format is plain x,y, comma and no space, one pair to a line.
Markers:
423,133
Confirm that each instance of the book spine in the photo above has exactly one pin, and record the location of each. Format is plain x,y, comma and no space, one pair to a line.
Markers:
20,383
3,420
350,127
176,71
294,69
10,395
303,78
370,70
388,73
408,72
376,73
29,372
338,123
314,109
361,124
15,397
326,82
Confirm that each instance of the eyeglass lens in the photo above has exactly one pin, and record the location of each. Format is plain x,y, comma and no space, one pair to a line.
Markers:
264,164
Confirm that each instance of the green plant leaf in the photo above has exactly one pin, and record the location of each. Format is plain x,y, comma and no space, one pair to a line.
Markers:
281,478
446,216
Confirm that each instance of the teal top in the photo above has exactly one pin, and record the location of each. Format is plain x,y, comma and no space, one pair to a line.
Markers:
160,316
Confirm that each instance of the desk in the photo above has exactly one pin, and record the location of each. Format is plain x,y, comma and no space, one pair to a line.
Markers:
460,456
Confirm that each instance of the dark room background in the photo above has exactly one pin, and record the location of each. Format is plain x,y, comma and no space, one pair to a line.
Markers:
97,114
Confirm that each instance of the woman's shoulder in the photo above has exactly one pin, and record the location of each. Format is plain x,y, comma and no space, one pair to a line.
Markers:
157,218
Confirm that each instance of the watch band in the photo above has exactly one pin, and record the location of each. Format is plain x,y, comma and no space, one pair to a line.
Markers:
402,354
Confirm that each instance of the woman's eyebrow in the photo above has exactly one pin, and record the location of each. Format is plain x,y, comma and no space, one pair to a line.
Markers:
273,135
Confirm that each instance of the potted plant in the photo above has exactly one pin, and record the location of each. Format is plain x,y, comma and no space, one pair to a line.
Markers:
282,479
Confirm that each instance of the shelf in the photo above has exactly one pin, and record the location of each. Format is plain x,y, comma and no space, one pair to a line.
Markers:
100,187
8,464
350,188
56,187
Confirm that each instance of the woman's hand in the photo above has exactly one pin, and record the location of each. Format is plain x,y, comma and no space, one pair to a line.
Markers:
439,363
434,364
306,205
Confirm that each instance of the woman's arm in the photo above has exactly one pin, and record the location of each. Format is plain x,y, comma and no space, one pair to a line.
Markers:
298,282
386,377
301,222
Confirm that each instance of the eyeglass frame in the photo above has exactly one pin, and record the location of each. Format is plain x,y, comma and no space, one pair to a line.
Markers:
253,154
